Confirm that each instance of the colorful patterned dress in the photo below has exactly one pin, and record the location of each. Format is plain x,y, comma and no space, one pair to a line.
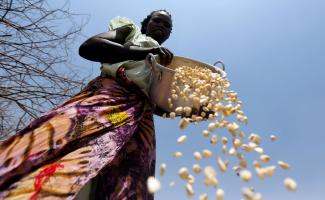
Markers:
105,134
105,131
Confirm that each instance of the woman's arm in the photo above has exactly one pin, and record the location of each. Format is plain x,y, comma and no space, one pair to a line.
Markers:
108,47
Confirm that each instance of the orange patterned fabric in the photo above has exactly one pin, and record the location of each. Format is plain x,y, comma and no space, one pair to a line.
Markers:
42,177
106,128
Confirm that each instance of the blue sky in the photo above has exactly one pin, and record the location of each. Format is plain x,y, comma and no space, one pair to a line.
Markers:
274,53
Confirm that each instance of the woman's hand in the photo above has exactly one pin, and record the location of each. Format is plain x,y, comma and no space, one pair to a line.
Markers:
165,55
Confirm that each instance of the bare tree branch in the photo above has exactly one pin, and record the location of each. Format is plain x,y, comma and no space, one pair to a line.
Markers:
34,55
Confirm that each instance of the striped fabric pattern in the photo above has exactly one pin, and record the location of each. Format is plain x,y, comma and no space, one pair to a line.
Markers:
104,133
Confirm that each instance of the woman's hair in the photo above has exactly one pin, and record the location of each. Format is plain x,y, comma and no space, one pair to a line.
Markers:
145,21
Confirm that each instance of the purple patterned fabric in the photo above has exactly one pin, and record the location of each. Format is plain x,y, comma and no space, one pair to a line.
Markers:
104,133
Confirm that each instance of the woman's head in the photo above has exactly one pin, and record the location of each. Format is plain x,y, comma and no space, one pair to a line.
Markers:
157,25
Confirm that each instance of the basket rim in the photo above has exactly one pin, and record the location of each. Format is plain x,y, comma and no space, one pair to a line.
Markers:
211,67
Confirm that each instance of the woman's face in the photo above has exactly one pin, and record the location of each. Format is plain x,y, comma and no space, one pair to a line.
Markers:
159,26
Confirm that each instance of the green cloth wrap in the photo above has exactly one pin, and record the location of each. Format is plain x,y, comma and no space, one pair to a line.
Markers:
136,71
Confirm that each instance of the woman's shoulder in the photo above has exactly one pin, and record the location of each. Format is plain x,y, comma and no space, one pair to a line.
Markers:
135,37
119,21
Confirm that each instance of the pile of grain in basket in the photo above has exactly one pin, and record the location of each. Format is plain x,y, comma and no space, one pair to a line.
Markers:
206,96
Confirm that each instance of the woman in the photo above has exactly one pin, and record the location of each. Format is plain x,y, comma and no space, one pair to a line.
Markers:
105,133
